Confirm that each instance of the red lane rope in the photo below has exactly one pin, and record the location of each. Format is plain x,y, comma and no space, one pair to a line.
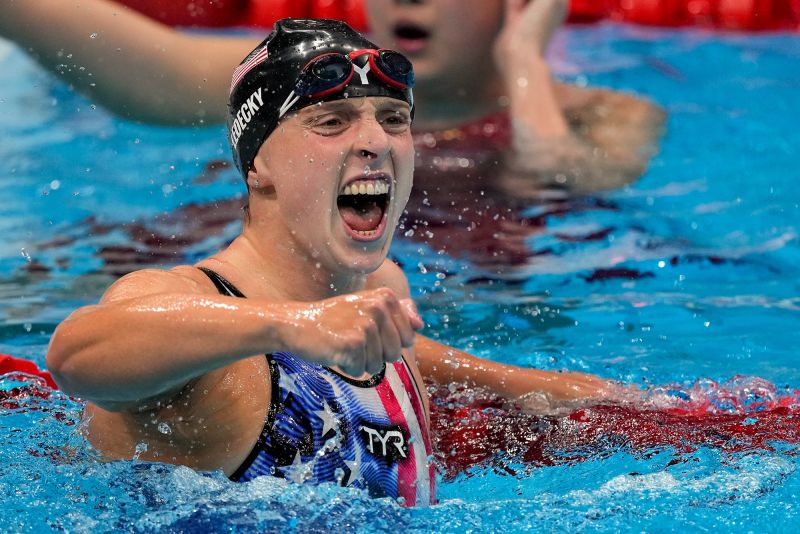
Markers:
9,364
746,15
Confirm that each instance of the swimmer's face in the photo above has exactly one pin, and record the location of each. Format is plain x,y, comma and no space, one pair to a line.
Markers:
342,174
444,39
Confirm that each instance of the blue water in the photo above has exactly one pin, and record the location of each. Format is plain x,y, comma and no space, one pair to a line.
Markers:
711,231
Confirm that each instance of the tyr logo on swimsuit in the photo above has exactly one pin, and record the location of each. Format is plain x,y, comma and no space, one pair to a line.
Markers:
387,442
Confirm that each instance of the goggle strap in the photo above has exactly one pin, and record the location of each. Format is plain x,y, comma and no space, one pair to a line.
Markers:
355,53
290,101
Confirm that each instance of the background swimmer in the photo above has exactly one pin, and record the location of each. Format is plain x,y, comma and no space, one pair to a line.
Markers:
584,139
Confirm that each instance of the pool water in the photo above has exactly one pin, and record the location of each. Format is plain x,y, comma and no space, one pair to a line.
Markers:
686,281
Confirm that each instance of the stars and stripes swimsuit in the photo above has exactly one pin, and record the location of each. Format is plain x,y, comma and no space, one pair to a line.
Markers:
323,426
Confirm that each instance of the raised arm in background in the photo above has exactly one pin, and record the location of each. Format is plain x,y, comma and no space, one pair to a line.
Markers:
136,67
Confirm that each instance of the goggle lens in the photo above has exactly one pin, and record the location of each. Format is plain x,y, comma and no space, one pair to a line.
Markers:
331,68
396,66
324,74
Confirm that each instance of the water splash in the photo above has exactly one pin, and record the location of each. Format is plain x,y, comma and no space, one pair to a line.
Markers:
475,430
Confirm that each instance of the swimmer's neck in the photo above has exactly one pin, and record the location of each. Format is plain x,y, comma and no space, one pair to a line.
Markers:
276,272
442,107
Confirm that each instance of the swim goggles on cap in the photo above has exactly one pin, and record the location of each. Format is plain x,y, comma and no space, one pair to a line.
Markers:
329,73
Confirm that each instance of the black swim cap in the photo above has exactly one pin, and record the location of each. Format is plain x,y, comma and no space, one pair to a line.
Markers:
263,85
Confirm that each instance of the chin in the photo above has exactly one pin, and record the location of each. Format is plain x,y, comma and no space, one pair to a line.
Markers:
366,265
363,262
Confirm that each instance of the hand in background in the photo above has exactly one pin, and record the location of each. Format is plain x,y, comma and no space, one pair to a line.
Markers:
527,30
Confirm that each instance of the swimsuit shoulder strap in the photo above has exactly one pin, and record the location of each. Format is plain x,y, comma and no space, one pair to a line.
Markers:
222,284
225,287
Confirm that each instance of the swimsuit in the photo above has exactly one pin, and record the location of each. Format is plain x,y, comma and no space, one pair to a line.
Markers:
323,426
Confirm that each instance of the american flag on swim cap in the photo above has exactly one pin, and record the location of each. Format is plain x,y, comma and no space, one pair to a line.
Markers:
255,58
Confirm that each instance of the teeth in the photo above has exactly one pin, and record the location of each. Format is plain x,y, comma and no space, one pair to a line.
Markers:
366,233
374,187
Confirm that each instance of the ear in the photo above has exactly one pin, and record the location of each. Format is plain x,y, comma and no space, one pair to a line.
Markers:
253,181
258,177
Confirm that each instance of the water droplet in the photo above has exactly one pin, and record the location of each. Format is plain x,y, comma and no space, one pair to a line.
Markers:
139,450
164,428
339,474
25,254
93,35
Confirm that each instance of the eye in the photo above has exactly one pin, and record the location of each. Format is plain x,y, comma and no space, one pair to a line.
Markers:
328,123
395,121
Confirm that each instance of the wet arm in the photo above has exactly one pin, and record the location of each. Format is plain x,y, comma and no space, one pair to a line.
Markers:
136,67
130,348
539,390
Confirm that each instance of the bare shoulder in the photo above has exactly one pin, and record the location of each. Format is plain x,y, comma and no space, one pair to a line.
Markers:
390,275
182,279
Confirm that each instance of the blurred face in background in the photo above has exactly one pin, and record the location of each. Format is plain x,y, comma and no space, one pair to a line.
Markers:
448,41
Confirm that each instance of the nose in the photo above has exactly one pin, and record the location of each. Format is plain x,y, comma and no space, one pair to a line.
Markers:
372,143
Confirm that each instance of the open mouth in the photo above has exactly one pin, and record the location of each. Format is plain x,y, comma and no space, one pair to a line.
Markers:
411,37
362,206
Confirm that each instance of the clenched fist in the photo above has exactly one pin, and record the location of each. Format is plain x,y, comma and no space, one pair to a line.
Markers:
356,333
